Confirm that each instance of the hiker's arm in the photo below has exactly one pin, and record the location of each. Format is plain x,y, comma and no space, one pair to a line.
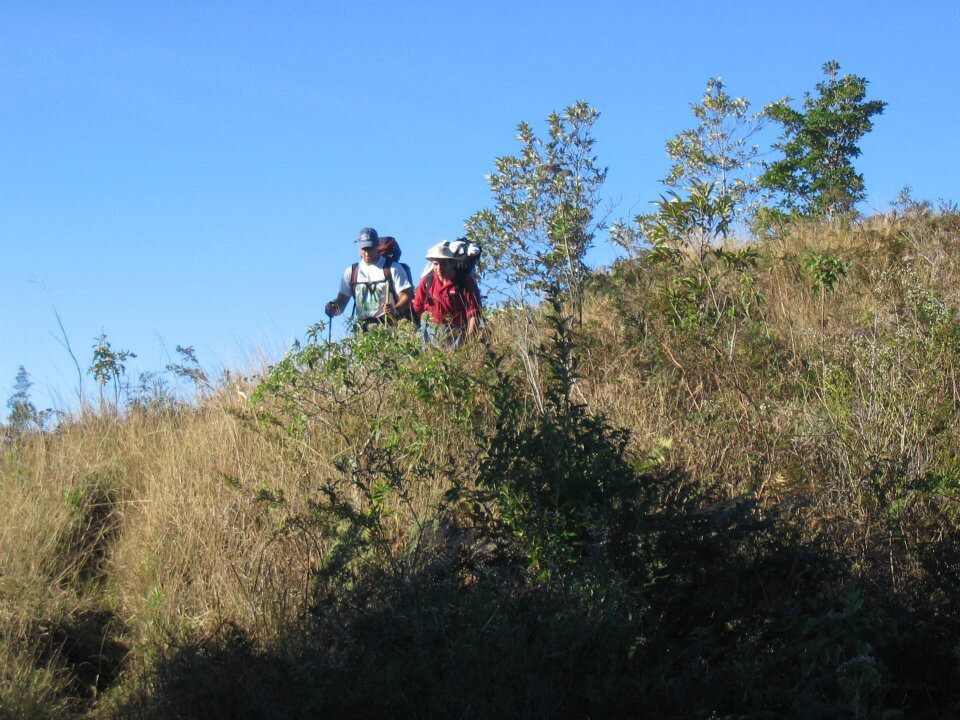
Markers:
335,307
474,305
420,297
403,301
403,291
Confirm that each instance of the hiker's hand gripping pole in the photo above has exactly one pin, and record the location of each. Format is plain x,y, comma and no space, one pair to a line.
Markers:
335,307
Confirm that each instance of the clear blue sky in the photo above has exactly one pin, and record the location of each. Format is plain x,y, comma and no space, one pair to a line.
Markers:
195,172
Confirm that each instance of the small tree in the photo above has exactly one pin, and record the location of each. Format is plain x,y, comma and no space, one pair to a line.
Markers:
543,223
816,177
718,150
109,366
906,204
24,415
190,368
711,181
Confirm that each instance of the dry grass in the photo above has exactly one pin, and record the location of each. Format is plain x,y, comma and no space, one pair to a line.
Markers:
177,522
746,410
185,546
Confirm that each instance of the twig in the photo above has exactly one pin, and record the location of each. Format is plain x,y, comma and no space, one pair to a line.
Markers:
683,375
65,343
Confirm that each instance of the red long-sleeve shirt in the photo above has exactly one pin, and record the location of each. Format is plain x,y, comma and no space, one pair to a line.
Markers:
449,304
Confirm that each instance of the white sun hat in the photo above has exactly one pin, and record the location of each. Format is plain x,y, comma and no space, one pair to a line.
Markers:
440,251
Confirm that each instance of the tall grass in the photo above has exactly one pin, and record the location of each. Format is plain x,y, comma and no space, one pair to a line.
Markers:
379,531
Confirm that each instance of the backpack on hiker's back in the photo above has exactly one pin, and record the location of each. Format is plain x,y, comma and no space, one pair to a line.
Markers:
467,254
390,250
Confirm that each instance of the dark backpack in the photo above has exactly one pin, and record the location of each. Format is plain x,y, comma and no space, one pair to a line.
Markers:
390,250
467,255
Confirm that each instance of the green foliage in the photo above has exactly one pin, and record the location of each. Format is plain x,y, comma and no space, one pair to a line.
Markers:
476,536
816,176
109,366
692,224
559,476
824,270
838,654
543,222
711,180
905,204
151,393
395,405
880,442
701,285
716,153
552,542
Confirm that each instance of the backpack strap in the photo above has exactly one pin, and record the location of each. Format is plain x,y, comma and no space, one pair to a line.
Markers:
387,264
354,270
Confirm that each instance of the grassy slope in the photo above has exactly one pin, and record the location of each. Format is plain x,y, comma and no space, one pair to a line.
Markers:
124,538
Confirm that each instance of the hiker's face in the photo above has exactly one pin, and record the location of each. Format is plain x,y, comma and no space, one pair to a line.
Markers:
369,254
444,268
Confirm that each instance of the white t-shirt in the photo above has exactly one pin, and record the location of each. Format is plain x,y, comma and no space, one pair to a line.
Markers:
372,289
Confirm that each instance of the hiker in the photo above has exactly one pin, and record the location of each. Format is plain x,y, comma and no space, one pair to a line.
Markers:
380,289
390,250
449,292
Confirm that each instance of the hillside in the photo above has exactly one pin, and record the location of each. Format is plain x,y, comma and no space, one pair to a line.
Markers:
732,491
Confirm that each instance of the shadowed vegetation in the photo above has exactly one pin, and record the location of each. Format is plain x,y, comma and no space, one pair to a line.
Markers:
732,491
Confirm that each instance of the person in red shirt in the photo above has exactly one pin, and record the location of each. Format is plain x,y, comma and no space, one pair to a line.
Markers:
449,294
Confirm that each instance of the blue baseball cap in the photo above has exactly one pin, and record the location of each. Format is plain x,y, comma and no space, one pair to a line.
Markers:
368,238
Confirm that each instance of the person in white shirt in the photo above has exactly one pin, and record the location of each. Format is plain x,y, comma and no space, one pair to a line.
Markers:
380,289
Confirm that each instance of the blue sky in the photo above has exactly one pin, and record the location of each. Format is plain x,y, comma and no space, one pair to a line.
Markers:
195,173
